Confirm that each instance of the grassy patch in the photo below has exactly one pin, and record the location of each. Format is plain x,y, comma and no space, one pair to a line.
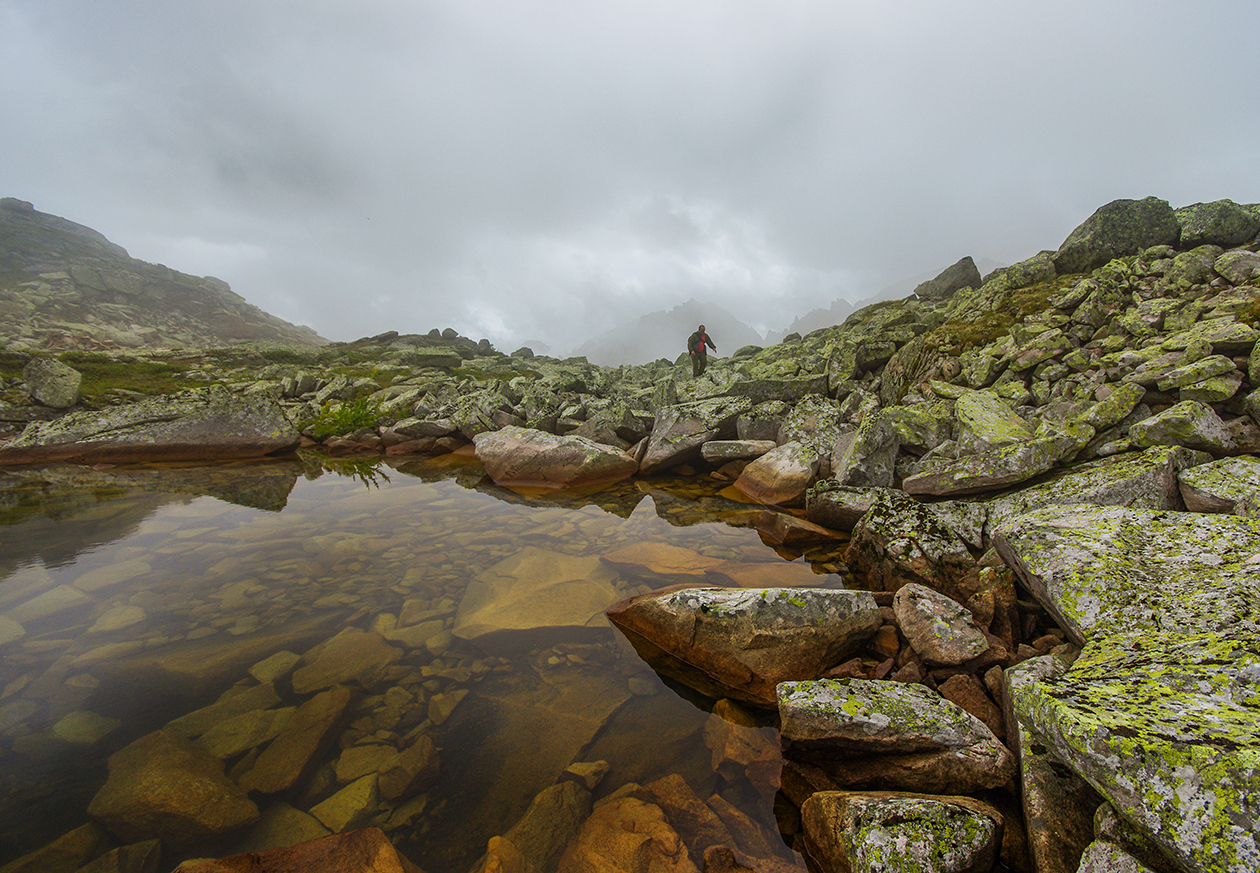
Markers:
102,373
1011,307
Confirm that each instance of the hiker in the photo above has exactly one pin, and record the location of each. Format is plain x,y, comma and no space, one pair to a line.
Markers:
698,345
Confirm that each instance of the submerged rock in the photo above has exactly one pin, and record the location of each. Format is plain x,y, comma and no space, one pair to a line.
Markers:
160,787
628,836
740,643
536,595
359,851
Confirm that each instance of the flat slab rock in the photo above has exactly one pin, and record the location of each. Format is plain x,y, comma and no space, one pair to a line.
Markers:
740,643
1137,480
1107,570
203,423
1166,727
908,736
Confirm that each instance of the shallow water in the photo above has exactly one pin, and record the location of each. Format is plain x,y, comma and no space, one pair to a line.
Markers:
130,597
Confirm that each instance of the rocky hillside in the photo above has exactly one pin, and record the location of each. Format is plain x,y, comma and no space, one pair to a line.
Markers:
65,286
1048,483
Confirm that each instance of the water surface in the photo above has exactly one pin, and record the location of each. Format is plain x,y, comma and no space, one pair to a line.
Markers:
130,597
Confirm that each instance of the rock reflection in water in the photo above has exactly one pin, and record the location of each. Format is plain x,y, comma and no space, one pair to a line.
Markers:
407,647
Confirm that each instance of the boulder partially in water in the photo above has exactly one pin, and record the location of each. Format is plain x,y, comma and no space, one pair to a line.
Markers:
524,456
740,643
203,424
781,475
890,735
679,431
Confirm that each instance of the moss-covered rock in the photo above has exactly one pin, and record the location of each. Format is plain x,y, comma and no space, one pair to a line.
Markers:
1189,423
1179,756
907,737
1122,227
740,643
679,431
876,831
986,421
1108,570
1229,485
1139,480
1220,222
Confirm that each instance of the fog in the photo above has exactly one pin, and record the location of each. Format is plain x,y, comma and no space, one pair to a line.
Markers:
546,171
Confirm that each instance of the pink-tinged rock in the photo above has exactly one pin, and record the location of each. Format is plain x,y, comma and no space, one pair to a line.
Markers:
522,456
938,627
740,643
780,475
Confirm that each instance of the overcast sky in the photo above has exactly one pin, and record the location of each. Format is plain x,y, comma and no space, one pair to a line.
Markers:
537,170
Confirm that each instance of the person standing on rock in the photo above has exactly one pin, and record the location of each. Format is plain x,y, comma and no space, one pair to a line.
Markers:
698,345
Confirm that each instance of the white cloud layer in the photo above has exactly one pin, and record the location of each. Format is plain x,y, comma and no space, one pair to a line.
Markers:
549,170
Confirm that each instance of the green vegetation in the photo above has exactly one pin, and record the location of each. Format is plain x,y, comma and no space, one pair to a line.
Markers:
104,373
343,418
972,329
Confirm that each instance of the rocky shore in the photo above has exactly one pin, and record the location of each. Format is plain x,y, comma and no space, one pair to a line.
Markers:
1049,482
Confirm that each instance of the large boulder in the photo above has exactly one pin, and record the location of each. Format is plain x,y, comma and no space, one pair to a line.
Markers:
986,421
740,643
1164,726
890,735
1122,227
1189,423
899,541
1221,222
52,383
891,830
526,457
161,787
779,476
1079,562
203,424
961,275
868,458
679,431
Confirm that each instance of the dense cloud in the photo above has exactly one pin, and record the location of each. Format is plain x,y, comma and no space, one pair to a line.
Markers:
547,170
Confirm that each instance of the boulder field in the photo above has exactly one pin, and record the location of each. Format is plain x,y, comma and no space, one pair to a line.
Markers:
1074,436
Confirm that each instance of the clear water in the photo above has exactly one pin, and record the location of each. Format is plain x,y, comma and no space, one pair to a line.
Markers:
139,595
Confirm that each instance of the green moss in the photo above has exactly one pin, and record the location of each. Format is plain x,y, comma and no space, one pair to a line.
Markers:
971,329
104,373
